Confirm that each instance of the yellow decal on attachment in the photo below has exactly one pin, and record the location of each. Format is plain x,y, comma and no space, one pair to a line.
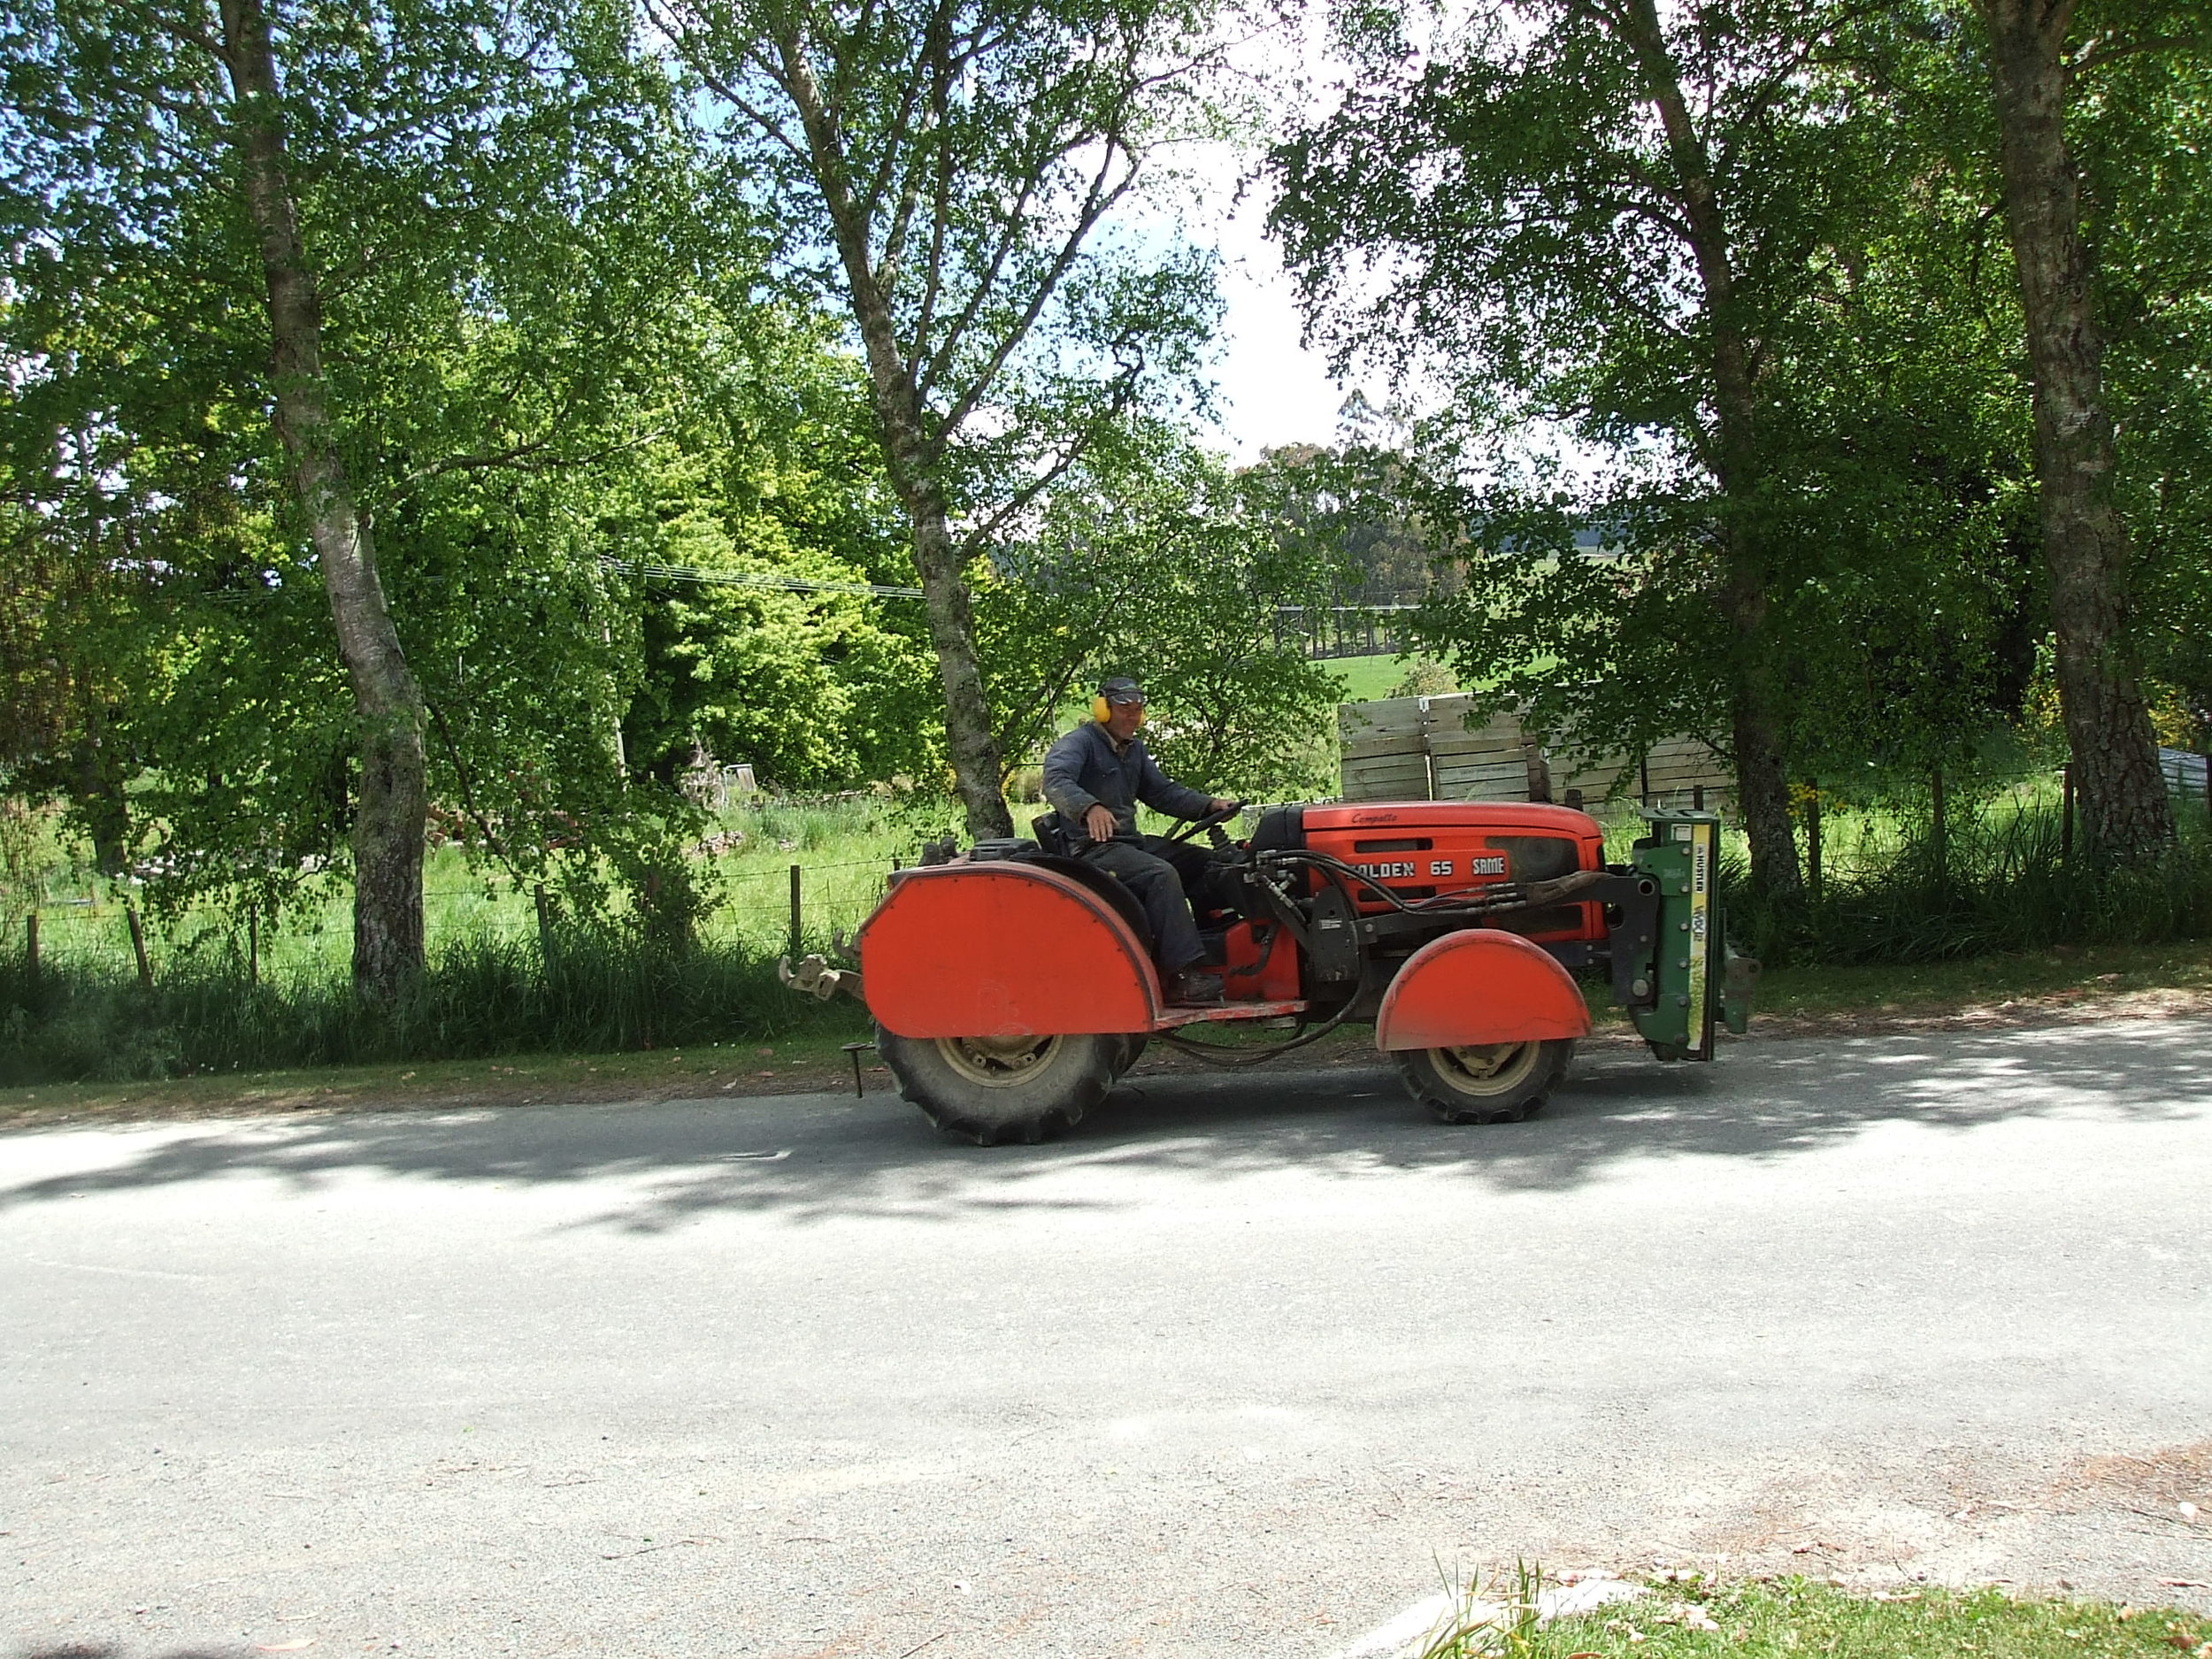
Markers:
1700,837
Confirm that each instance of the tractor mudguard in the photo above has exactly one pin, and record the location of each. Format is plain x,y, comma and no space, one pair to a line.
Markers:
1003,949
1479,985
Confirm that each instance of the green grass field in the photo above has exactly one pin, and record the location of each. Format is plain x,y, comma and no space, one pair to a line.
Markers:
1367,678
1689,1617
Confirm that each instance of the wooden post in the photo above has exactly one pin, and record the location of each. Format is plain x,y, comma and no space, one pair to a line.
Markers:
545,922
1942,850
1812,838
1697,798
2066,815
138,946
796,918
1643,777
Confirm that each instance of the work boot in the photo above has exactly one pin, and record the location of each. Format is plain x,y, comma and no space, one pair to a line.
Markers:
1194,988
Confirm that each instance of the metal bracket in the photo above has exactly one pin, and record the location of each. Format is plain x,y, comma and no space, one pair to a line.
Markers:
815,978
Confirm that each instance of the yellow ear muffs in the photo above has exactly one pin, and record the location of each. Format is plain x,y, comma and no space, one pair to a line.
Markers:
1101,710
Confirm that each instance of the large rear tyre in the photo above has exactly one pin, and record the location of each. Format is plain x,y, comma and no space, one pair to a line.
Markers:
1485,1083
994,1089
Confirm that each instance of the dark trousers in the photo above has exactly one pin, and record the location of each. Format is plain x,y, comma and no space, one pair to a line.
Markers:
1155,873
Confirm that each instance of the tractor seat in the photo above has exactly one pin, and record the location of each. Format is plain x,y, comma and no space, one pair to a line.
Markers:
1051,832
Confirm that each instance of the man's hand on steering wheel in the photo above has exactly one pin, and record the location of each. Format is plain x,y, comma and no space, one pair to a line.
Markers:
1218,812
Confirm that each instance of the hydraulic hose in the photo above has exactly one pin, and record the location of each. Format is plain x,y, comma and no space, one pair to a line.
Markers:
1213,1055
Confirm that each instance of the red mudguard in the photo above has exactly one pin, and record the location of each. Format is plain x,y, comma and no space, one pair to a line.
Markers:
1479,985
1002,950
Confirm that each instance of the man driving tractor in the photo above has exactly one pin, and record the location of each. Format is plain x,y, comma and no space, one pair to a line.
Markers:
1094,777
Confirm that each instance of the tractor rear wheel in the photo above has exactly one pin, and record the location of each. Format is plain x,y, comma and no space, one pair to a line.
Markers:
994,1089
1484,1082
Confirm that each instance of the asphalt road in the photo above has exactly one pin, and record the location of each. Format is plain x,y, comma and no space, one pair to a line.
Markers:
1232,1371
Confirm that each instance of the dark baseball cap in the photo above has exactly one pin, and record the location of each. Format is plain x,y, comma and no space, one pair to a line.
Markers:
1121,690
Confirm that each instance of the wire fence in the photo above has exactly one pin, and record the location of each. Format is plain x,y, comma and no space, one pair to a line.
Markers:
773,895
762,909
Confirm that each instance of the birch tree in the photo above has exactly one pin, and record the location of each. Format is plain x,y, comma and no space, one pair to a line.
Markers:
947,171
277,270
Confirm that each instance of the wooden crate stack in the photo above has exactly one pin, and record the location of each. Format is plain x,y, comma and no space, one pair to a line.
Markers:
1420,749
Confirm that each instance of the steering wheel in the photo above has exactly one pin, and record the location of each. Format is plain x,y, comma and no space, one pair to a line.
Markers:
1211,821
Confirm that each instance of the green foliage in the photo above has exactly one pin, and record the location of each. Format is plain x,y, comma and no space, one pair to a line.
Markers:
1425,678
816,690
967,156
1154,560
544,338
1516,160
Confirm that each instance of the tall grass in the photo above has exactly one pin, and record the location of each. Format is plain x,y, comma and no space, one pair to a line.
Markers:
480,995
1994,876
494,983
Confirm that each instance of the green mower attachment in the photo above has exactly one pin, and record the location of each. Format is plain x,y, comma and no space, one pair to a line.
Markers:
1698,976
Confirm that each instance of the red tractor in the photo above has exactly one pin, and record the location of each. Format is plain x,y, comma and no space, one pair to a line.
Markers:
1011,986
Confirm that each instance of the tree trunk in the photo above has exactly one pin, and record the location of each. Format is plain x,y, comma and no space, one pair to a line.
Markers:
1762,796
977,769
387,839
2126,814
910,457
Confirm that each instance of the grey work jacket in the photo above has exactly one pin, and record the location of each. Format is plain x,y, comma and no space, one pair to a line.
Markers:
1084,769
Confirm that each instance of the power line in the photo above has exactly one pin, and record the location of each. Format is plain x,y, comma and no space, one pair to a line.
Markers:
746,579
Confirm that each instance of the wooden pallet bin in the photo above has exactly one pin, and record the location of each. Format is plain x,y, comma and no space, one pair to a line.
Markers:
1422,748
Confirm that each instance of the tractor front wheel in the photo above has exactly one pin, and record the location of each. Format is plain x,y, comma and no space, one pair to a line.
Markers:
1486,1082
993,1089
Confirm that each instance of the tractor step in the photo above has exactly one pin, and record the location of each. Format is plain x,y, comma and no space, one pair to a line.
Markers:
1173,1017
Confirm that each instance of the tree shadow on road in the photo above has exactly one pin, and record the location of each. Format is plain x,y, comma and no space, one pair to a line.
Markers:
802,1159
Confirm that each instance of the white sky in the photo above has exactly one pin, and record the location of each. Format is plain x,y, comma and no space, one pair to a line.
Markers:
1273,390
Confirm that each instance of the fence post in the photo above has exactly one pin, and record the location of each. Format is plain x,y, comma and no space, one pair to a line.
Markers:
545,923
2066,815
1942,850
796,918
138,946
1812,837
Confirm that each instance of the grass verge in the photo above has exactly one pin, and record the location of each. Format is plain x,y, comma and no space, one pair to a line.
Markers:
2037,987
1793,1618
799,1063
2111,980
